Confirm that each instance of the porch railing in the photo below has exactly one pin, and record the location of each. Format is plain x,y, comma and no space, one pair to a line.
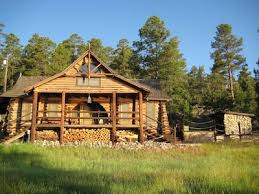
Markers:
78,117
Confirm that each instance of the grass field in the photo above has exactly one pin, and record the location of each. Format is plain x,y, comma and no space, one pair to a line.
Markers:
222,168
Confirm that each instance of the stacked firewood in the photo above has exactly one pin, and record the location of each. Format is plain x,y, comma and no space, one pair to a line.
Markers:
49,135
87,135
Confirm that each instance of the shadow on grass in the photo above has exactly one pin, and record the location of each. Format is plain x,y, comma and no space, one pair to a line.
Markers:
27,173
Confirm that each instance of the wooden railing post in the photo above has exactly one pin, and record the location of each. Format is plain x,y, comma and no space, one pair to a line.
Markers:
141,132
113,134
62,122
34,116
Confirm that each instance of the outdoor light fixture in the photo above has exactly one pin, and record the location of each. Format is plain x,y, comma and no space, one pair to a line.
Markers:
5,62
89,100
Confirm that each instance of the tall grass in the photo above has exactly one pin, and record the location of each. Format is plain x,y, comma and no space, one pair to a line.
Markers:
222,168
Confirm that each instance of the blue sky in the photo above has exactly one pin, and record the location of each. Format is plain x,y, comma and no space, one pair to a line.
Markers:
193,22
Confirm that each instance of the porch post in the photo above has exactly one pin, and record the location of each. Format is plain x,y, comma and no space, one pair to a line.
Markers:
141,132
113,134
34,115
62,122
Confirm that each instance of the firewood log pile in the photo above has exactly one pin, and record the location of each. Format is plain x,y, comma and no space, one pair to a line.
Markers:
49,135
87,135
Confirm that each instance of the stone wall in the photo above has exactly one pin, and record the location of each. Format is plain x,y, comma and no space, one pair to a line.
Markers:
231,122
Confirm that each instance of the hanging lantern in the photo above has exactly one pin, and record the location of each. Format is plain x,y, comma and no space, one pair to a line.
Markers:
89,100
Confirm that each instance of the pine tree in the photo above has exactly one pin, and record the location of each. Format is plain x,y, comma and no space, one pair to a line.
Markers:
226,55
104,53
197,85
256,72
12,49
76,44
2,34
216,97
61,58
122,60
173,77
247,102
153,37
37,55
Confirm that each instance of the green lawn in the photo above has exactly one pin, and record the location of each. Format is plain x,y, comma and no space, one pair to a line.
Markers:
222,168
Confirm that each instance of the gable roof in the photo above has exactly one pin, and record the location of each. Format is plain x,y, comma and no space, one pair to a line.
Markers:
28,81
63,73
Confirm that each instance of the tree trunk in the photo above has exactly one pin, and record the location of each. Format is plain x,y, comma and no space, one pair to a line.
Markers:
231,84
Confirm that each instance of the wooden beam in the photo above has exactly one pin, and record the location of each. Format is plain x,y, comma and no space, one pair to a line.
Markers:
34,116
82,91
89,69
62,122
96,67
141,132
113,134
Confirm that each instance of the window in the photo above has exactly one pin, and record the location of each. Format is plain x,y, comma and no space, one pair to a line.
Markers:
26,111
151,112
93,69
88,82
124,107
83,69
53,107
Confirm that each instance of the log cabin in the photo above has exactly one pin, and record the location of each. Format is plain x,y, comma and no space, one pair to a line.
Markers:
88,101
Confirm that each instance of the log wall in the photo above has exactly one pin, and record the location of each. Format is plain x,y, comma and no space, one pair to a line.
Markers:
13,110
67,84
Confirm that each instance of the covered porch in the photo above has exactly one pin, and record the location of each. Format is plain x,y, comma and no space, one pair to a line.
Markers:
66,110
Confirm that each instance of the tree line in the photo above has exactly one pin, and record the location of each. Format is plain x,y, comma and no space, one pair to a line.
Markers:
155,55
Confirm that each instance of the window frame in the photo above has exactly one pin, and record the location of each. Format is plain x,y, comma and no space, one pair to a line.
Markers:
78,83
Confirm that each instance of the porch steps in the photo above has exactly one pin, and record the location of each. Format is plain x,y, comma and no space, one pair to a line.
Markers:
9,139
153,135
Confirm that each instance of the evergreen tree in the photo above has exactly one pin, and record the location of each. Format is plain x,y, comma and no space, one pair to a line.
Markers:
12,49
153,37
37,55
61,58
103,53
76,44
247,97
173,77
197,85
217,97
1,55
2,34
226,55
122,59
256,72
